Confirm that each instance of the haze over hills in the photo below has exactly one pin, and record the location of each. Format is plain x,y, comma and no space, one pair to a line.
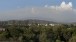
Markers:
63,13
33,21
28,21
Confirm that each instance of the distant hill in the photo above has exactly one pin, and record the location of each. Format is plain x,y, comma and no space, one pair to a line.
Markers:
28,21
39,21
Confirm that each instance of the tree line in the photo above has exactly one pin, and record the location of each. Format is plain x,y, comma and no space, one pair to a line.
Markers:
41,33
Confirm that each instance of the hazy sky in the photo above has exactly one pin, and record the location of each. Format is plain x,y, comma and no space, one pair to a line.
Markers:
57,10
13,4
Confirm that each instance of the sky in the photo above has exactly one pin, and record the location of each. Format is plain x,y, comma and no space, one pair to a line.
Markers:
53,10
13,4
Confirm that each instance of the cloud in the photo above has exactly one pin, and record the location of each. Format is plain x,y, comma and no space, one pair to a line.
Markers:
63,6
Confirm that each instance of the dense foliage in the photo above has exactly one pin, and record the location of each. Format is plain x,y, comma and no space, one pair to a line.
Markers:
41,33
